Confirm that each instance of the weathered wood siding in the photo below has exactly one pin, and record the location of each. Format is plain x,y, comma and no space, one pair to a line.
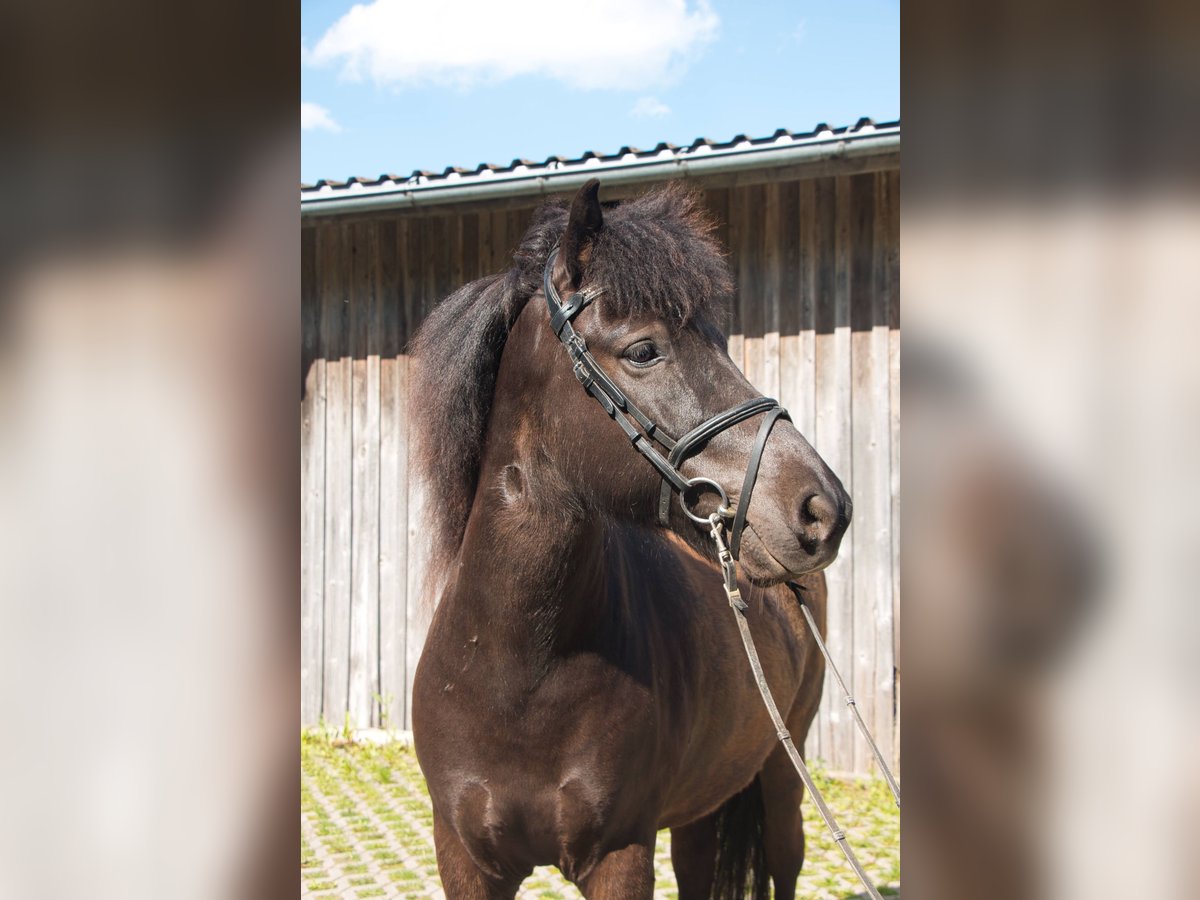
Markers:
815,323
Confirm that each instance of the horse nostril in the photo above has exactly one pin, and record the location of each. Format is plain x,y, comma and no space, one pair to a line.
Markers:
819,516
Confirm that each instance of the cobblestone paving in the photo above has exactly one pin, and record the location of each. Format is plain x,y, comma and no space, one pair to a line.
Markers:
366,830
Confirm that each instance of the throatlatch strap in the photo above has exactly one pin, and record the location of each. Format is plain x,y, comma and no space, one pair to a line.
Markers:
743,503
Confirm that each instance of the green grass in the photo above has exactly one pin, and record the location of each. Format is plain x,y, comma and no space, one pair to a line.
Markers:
367,818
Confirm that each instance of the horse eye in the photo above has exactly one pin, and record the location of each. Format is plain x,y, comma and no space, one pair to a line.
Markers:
643,353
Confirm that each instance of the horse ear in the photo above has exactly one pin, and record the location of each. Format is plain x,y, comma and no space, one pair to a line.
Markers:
583,224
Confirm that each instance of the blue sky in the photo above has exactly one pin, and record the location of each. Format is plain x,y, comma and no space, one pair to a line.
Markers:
397,85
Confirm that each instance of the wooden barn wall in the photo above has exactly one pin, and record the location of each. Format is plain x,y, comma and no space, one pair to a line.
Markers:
815,323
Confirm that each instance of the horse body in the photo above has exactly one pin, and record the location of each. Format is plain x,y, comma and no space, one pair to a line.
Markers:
582,683
620,708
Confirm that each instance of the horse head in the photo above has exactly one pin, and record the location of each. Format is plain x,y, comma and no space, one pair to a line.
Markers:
645,285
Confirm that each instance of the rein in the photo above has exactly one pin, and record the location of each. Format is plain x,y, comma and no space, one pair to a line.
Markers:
643,435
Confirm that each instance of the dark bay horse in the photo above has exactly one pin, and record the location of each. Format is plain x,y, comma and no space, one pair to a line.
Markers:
583,684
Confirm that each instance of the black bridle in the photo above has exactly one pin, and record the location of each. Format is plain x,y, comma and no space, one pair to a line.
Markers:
645,433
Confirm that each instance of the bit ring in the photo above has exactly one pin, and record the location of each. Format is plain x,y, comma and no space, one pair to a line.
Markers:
723,509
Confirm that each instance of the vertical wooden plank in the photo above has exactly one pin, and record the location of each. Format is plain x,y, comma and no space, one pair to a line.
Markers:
787,321
809,282
872,476
865,520
803,411
737,225
472,269
407,655
364,485
443,282
816,235
750,280
393,481
798,376
461,273
884,636
500,252
790,299
772,250
451,260
716,200
411,276
312,484
515,232
413,280
420,605
338,461
425,237
431,237
832,433
416,261
487,241
519,224
892,290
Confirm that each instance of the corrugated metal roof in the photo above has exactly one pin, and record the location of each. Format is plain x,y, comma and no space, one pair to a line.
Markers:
624,164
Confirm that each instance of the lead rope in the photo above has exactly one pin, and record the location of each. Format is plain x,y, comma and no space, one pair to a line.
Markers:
850,702
729,570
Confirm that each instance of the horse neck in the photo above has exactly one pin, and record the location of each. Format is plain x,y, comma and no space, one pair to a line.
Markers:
532,564
531,570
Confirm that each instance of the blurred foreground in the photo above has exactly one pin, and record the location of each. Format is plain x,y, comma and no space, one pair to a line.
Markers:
149,327
1050,281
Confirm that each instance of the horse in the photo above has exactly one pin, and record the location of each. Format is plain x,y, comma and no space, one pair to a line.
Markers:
582,684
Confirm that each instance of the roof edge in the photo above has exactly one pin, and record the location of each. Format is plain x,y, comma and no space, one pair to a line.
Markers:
558,177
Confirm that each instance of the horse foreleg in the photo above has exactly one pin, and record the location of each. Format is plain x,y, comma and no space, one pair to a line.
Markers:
783,823
624,874
694,857
462,878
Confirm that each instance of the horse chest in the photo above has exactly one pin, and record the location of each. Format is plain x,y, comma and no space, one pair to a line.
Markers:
510,820
584,716
542,774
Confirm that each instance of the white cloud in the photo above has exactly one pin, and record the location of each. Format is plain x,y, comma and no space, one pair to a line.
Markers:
313,117
627,44
650,108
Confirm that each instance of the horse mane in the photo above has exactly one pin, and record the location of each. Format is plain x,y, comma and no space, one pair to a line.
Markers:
655,254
